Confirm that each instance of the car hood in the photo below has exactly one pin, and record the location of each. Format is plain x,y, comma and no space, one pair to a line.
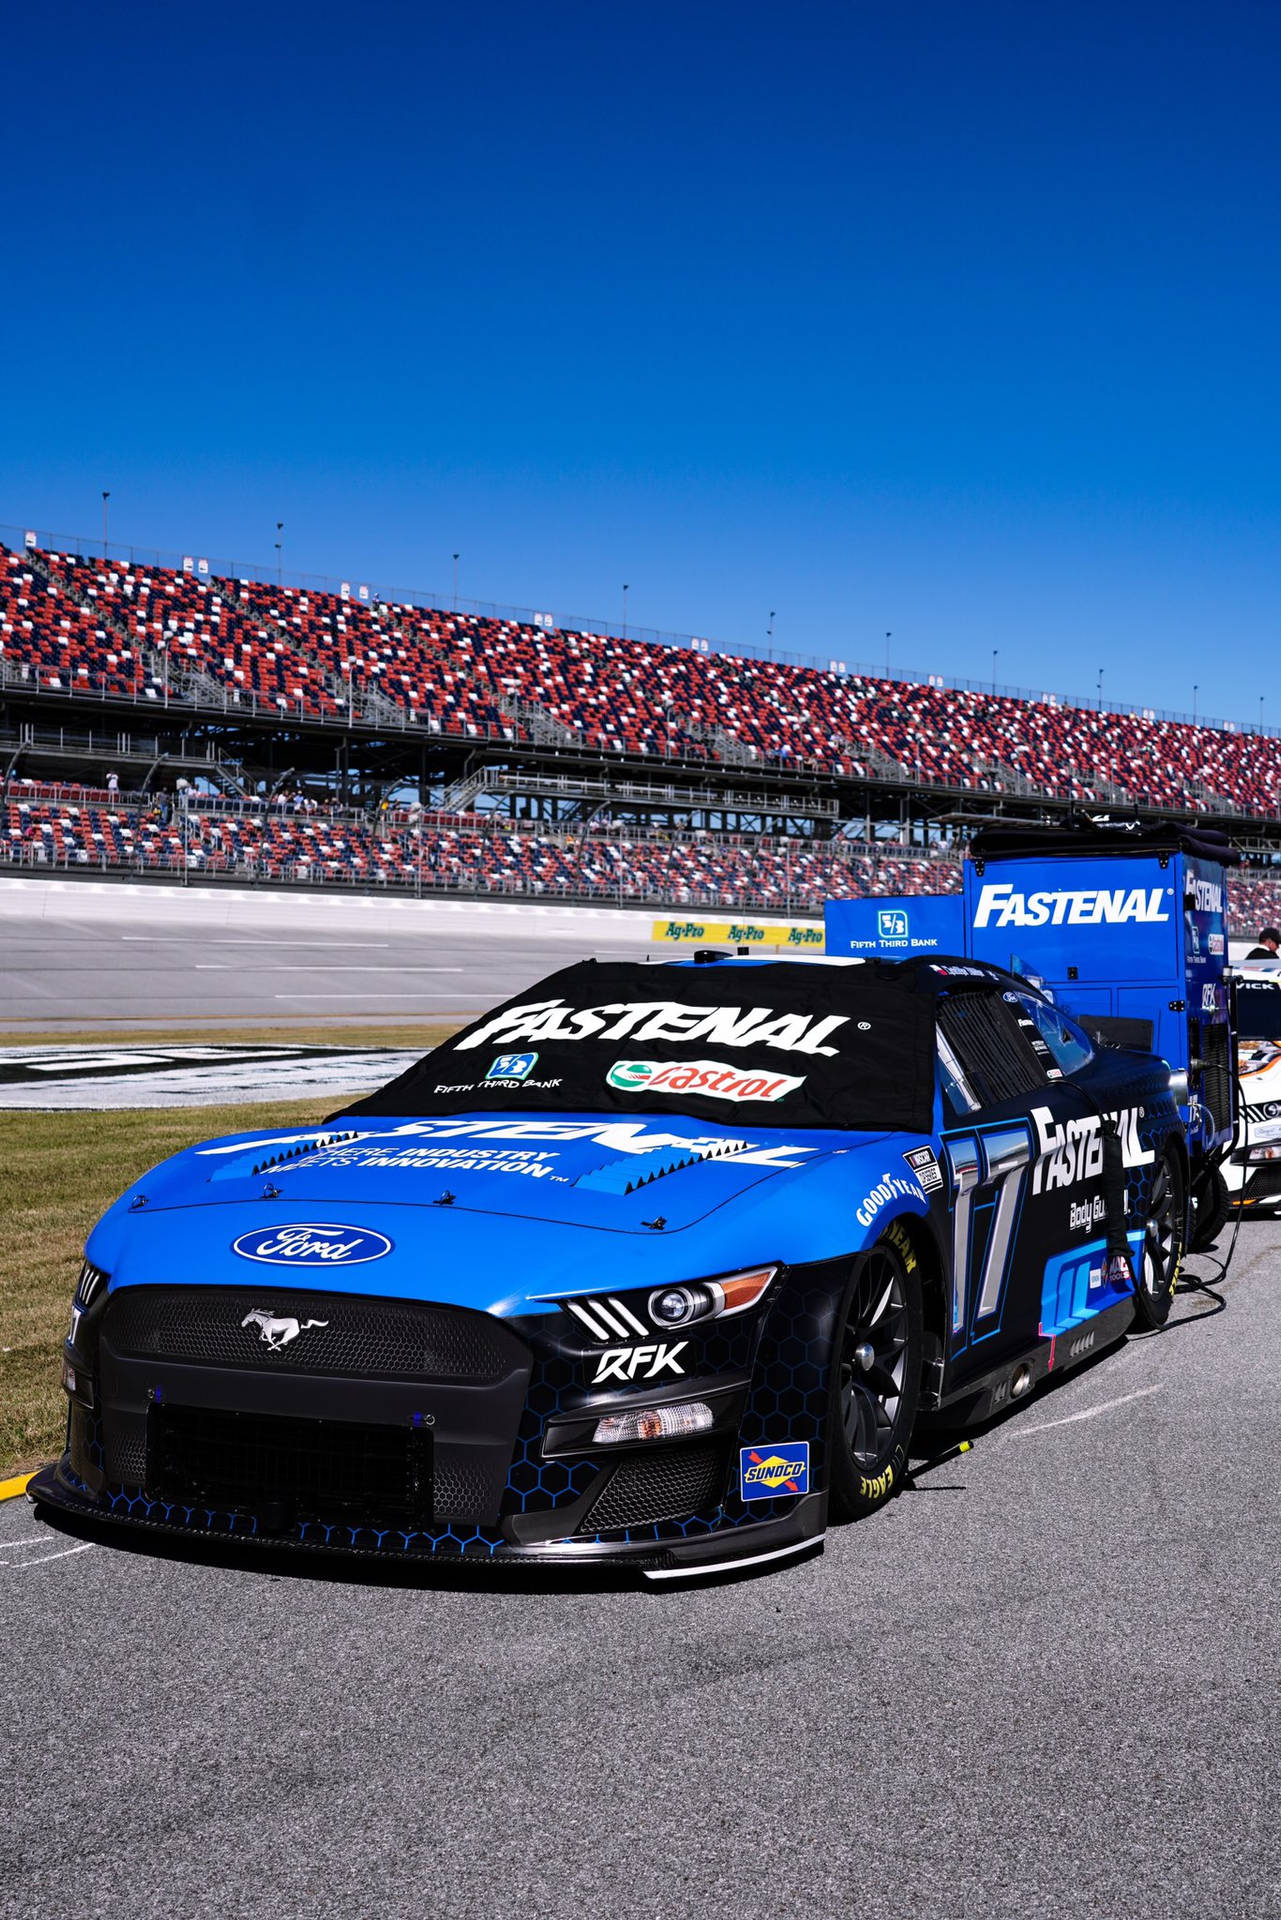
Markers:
483,1210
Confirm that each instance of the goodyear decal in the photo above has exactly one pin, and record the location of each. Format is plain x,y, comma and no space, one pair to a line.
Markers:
740,933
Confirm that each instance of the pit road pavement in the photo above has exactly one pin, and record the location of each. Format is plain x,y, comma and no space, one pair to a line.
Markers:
1043,1680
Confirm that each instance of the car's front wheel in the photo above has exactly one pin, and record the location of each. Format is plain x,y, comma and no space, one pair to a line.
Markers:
1164,1239
876,1377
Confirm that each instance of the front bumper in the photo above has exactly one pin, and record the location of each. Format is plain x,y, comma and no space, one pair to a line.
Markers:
1253,1185
473,1471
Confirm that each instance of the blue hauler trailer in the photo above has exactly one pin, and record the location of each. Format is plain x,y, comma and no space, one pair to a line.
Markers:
1127,929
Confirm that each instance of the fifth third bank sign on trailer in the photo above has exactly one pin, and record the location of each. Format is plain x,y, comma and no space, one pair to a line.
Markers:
896,929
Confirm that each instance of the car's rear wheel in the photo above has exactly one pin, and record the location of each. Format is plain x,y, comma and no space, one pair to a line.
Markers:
876,1377
1164,1236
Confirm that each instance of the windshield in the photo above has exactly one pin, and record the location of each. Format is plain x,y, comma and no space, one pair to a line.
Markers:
781,1045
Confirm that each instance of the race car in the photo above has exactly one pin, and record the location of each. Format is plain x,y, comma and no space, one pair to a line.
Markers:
1252,1170
654,1266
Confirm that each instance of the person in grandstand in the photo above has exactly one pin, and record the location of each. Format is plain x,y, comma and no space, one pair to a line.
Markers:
1269,942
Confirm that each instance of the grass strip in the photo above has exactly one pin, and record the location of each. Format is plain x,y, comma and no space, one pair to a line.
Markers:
61,1170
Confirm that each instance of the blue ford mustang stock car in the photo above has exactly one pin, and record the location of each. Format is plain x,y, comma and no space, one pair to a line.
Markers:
654,1266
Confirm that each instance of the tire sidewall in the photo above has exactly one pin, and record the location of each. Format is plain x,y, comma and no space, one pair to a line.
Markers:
856,1489
1152,1310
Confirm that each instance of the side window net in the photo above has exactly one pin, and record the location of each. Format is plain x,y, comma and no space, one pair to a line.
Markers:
998,1061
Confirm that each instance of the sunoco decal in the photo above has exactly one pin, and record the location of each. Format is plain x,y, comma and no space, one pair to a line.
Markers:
710,1077
766,1472
309,1244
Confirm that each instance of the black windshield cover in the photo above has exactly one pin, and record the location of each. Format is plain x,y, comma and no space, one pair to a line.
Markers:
784,1045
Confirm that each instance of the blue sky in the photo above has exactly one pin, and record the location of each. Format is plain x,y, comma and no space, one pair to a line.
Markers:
956,321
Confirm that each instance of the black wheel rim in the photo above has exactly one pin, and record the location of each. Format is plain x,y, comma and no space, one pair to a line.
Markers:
1161,1235
873,1359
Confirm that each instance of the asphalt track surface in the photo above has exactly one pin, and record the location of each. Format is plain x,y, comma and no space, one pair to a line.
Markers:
1044,1680
129,957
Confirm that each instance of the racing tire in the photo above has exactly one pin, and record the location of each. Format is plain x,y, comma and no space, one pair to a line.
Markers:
876,1377
1164,1235
1211,1205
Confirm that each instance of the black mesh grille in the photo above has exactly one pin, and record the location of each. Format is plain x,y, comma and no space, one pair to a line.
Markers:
998,1060
463,1489
1216,1084
125,1444
287,1470
360,1338
660,1486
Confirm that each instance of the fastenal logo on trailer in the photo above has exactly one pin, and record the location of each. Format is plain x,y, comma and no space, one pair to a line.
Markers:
1001,906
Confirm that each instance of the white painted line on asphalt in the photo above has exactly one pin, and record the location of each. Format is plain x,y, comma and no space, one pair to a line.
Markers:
326,946
28,1540
214,966
1070,1419
45,1558
409,993
388,966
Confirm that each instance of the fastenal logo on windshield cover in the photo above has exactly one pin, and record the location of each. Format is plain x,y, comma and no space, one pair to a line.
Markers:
1000,906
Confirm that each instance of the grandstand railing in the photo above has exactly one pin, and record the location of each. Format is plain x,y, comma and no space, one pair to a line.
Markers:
367,593
421,884
1243,914
867,769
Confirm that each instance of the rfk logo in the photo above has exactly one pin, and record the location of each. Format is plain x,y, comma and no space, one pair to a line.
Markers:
278,1330
638,1363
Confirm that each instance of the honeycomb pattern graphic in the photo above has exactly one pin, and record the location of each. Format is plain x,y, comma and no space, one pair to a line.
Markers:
787,1402
131,1503
535,1485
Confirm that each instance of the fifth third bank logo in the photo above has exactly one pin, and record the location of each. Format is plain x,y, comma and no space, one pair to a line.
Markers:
891,924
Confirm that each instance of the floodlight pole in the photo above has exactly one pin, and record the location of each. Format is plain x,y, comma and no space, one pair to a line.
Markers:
105,497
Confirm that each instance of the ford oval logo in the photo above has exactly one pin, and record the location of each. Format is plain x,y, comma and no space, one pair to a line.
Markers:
309,1243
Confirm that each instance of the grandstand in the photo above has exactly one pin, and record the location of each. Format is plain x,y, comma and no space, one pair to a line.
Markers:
545,761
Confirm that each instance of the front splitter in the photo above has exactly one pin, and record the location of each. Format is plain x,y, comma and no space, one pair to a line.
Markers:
723,1550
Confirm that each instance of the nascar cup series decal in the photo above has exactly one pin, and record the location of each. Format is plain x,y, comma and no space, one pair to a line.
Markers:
710,1077
311,1244
766,1472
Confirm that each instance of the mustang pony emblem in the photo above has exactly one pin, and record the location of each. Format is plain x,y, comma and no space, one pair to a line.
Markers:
276,1330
